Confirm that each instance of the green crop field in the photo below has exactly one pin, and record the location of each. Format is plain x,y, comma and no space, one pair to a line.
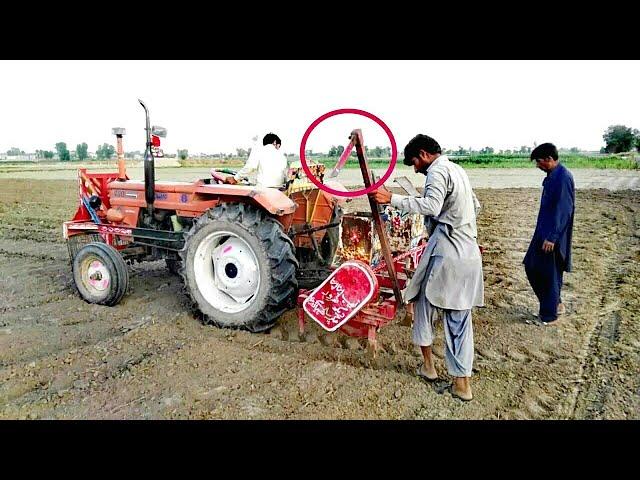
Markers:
510,161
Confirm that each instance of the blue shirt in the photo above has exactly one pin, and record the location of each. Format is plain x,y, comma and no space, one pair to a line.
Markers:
555,218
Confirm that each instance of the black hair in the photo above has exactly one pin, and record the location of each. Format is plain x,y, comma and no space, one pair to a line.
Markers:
545,150
270,138
417,143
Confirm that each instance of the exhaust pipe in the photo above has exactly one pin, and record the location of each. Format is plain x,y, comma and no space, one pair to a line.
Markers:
122,169
149,168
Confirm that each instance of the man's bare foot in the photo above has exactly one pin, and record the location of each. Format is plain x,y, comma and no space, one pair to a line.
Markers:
561,309
429,374
461,388
426,370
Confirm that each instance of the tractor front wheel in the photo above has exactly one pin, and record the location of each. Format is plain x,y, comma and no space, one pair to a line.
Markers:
239,268
100,274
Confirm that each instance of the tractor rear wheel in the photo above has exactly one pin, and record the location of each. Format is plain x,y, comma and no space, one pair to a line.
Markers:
173,265
239,268
100,274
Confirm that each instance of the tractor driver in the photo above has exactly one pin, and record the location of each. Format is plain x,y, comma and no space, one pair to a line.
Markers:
268,160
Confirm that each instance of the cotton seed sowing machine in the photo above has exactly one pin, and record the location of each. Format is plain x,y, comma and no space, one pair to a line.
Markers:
363,293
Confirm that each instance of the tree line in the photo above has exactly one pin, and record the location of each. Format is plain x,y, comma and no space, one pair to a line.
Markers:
618,138
103,152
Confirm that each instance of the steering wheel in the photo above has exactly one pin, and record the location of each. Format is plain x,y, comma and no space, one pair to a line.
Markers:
220,174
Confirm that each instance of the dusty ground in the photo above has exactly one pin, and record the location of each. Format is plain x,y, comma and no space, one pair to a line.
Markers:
150,357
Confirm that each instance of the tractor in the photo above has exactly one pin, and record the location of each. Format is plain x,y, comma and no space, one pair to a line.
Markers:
242,251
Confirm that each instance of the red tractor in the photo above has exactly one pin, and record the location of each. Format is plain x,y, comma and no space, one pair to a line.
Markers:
241,251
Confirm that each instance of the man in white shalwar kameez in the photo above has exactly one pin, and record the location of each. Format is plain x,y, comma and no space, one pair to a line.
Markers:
269,162
448,281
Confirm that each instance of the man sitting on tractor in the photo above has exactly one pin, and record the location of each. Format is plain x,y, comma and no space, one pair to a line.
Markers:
268,160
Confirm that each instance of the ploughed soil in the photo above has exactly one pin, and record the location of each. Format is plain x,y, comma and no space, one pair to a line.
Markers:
151,357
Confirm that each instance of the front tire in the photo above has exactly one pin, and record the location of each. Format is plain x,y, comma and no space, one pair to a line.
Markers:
239,268
100,274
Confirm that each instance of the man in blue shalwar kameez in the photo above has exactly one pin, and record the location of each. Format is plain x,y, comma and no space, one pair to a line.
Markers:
549,254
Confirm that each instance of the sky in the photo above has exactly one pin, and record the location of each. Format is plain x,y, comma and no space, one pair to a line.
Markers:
212,106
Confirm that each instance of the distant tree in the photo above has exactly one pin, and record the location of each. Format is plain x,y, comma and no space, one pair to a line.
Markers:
63,152
574,150
461,150
620,138
82,151
105,151
48,154
242,152
487,150
376,152
14,151
340,150
638,143
333,151
524,149
183,154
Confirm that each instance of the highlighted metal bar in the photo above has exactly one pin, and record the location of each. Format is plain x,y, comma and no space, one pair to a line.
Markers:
343,159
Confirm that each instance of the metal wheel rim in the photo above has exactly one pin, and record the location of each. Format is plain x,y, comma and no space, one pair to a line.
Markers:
95,275
211,280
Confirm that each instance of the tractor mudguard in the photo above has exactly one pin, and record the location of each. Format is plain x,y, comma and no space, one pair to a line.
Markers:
271,199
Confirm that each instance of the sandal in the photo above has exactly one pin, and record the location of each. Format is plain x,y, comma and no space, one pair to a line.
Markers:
455,395
421,374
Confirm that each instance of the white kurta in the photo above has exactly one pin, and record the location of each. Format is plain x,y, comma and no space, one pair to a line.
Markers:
270,163
452,258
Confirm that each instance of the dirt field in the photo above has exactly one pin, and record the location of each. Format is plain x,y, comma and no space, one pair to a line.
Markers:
150,357
480,177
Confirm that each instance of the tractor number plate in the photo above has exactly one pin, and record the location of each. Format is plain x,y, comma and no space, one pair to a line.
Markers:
341,295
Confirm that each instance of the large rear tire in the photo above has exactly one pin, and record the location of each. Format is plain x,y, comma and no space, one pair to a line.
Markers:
173,265
239,268
100,274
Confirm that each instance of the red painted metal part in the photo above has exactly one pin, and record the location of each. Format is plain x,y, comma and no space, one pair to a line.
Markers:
379,310
382,308
341,295
93,184
342,160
